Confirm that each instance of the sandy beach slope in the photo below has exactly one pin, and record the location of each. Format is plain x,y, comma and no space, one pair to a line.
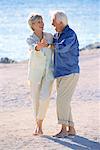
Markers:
16,115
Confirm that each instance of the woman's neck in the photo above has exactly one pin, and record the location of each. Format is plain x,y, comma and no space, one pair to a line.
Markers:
39,35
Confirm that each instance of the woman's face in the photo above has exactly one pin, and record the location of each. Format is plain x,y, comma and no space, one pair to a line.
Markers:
38,25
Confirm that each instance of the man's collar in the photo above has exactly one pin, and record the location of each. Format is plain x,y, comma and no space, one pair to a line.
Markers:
65,29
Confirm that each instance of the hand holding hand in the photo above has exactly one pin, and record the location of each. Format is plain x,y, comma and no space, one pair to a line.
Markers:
41,44
44,42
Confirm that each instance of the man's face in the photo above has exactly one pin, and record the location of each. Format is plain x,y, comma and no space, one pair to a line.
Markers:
57,24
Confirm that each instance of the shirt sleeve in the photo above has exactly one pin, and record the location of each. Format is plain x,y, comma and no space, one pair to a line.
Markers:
31,42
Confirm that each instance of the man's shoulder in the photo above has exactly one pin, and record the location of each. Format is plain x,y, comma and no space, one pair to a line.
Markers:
71,32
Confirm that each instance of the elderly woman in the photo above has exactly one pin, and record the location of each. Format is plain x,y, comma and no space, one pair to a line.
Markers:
40,69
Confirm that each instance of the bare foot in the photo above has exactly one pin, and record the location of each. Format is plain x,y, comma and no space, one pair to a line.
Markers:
37,131
72,131
62,134
38,128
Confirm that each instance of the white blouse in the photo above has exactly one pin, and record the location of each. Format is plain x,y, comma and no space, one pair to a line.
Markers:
40,62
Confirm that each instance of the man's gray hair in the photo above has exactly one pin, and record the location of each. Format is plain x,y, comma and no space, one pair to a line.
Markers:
61,16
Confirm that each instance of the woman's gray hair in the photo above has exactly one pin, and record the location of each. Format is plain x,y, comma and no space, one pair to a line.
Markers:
33,18
61,16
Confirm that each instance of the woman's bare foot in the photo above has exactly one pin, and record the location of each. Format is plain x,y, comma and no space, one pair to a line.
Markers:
38,129
35,132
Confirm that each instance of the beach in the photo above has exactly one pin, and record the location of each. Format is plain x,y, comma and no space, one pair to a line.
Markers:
16,114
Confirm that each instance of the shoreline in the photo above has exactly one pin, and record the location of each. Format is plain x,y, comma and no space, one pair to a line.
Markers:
91,47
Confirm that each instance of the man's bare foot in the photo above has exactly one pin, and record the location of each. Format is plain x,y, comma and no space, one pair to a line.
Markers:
62,134
72,131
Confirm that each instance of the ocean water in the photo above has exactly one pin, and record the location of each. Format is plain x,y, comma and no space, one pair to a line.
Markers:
83,17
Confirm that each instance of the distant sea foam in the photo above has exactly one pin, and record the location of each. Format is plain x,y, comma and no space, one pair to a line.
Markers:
83,17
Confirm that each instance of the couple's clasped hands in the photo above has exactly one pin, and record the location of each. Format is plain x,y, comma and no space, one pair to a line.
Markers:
43,43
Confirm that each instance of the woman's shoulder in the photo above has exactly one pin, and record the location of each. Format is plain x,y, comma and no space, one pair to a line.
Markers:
31,39
31,36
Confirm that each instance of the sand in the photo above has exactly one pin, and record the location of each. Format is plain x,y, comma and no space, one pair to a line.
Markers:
16,114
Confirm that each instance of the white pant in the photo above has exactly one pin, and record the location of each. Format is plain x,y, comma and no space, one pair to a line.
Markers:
40,94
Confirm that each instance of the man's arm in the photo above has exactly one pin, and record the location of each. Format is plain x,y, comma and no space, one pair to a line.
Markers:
67,44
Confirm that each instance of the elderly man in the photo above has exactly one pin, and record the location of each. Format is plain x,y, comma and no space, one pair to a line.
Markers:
66,70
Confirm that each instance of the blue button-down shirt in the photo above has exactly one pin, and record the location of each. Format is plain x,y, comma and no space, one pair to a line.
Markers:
66,53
